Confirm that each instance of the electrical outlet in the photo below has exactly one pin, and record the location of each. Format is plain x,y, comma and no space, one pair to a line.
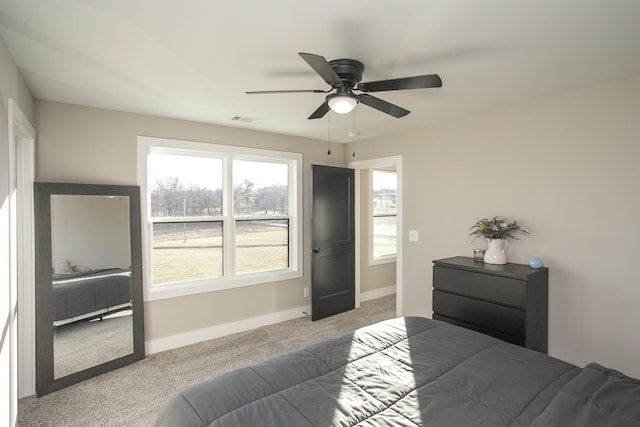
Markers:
413,235
306,292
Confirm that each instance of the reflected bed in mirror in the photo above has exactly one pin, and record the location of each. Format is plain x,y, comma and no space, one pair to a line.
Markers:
88,282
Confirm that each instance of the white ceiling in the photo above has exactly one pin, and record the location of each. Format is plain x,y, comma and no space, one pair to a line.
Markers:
195,59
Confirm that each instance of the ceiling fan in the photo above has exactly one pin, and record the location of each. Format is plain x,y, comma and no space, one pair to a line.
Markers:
344,76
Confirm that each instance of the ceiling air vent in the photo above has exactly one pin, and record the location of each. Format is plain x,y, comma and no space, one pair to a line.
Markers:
248,120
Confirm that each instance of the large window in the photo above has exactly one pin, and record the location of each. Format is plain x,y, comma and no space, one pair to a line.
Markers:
218,216
384,215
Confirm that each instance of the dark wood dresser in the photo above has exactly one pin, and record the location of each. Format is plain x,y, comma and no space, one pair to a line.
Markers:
508,301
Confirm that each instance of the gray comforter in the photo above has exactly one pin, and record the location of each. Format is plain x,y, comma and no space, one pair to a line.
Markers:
402,372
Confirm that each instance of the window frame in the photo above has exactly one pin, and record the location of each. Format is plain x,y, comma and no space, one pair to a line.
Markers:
384,259
229,280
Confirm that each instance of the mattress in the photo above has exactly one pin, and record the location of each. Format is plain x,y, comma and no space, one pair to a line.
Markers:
404,372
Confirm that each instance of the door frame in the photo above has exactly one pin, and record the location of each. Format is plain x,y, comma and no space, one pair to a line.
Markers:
377,163
22,136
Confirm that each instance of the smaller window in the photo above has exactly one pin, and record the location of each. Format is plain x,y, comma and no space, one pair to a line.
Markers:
384,215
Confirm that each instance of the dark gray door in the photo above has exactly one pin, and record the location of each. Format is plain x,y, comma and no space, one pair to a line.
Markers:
333,241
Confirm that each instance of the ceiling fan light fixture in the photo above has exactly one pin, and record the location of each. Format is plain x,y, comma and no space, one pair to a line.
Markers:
342,103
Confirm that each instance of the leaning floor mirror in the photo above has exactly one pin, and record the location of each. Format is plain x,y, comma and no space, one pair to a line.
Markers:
88,257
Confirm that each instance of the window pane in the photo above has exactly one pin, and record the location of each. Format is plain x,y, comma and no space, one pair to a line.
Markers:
260,188
262,245
185,186
186,251
385,232
385,192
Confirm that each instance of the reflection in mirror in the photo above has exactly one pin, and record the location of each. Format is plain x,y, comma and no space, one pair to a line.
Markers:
89,307
91,261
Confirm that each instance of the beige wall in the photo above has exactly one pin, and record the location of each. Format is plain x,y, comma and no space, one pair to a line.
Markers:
88,145
12,86
564,167
372,277
567,169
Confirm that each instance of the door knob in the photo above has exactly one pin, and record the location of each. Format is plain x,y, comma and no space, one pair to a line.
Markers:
315,250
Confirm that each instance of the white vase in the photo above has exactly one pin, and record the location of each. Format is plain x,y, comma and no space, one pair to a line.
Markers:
495,253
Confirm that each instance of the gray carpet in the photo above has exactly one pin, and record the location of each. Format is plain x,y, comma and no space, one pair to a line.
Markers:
133,395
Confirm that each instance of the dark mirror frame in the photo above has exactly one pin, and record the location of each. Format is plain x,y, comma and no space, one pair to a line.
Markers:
45,380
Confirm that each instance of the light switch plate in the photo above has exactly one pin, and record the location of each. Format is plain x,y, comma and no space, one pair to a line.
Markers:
413,235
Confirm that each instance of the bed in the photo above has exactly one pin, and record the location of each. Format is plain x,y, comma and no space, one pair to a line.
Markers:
89,294
405,372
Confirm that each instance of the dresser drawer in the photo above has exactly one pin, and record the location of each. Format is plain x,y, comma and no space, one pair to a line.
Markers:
487,331
500,318
502,290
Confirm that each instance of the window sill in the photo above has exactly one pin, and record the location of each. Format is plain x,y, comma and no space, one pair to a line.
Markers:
382,260
175,290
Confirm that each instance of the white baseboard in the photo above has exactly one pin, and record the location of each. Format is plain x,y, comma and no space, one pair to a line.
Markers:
217,331
378,293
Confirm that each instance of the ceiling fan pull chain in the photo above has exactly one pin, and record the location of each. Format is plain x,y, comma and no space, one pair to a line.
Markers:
329,137
353,134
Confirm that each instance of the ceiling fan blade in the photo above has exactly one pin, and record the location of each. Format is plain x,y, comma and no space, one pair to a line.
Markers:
320,112
384,106
323,68
260,92
417,82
